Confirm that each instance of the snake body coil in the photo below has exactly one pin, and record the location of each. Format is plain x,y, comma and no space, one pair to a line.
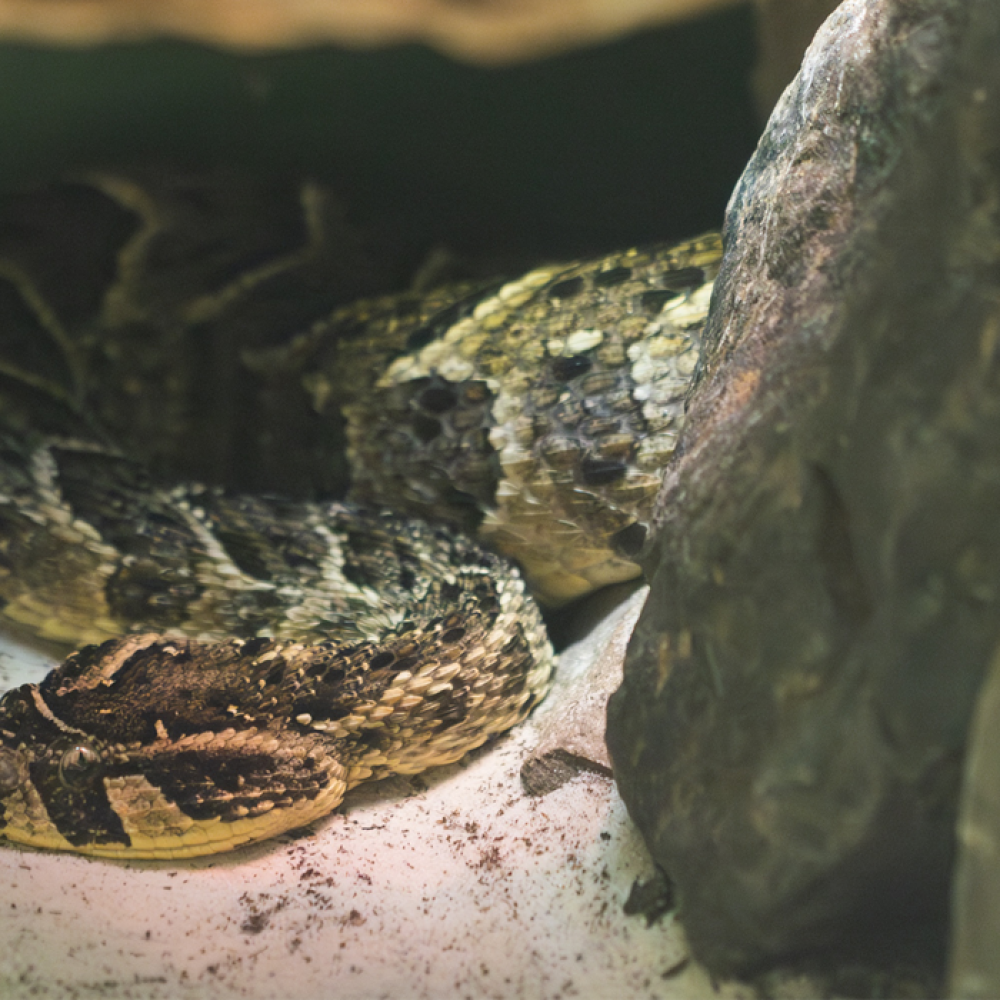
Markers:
256,656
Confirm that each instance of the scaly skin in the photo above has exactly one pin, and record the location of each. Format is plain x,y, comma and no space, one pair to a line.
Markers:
260,656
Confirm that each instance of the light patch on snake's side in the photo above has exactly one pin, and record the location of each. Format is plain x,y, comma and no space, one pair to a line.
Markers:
159,829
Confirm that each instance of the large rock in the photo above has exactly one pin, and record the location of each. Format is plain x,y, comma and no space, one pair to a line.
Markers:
825,597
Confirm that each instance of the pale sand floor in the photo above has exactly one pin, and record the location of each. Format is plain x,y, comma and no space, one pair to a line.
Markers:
455,884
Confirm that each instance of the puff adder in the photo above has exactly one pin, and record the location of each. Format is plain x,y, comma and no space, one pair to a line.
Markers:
182,396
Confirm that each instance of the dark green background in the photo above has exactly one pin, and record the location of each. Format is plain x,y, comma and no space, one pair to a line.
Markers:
628,142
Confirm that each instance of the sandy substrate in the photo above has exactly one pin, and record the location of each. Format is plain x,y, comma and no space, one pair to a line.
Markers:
452,884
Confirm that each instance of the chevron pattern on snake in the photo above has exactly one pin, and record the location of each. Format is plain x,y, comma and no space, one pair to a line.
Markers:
256,653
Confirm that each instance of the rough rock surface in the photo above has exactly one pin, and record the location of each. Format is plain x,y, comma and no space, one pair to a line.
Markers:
790,732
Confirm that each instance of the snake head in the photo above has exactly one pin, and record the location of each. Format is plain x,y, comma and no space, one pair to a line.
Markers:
128,750
50,777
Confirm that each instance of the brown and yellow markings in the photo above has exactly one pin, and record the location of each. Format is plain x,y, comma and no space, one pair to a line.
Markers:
264,648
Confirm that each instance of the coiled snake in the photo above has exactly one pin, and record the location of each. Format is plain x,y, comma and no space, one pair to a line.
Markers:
257,655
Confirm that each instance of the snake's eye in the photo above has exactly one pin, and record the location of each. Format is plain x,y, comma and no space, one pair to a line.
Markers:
79,766
10,772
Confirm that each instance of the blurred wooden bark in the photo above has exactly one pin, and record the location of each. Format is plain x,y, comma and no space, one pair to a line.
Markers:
489,31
